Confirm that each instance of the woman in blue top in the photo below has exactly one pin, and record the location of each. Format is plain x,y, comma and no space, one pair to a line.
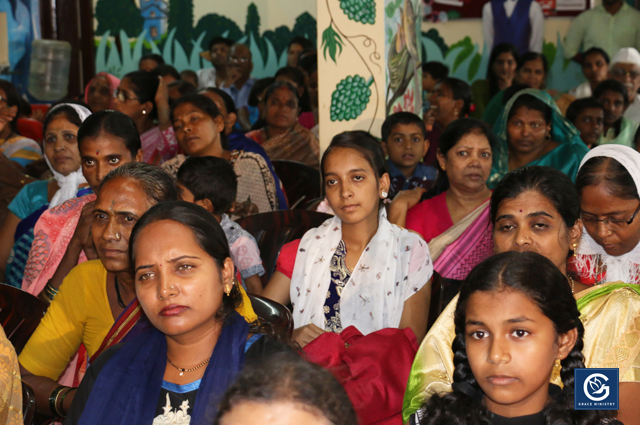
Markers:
63,158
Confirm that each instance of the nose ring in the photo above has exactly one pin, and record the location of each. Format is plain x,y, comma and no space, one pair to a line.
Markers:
609,232
118,236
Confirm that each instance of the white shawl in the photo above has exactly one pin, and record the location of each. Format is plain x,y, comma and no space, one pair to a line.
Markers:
626,267
68,184
393,267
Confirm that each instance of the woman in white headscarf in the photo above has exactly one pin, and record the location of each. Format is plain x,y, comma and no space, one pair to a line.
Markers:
608,184
63,158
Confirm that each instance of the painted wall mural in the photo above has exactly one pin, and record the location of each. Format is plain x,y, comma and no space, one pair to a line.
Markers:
126,31
468,62
368,64
404,77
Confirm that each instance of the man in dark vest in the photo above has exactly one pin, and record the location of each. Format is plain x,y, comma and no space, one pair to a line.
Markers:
519,22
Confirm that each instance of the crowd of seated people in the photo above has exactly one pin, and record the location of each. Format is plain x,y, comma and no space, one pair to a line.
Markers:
517,201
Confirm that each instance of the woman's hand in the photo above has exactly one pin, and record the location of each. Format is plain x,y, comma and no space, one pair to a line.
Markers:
7,114
243,118
306,334
82,234
403,201
162,105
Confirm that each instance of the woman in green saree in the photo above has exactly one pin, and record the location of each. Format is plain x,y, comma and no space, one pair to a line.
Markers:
537,209
532,131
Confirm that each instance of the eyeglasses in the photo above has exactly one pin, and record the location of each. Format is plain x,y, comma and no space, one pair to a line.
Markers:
240,61
610,223
122,97
620,73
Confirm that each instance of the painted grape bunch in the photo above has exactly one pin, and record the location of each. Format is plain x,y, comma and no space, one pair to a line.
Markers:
363,11
350,98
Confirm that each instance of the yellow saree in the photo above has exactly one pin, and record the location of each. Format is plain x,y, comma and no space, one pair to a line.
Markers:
611,317
10,384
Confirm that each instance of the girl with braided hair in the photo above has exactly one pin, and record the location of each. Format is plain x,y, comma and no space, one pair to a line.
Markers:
516,324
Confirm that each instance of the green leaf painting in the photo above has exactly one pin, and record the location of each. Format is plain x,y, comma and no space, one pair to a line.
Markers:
466,50
331,42
474,65
391,8
350,98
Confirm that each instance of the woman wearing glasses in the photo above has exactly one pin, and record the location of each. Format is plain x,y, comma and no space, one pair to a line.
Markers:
608,182
144,98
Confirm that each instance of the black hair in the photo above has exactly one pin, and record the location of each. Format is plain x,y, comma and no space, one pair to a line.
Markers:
286,377
145,85
13,99
154,57
210,178
366,145
459,91
512,90
188,72
614,86
604,170
164,70
495,52
596,50
437,70
577,106
279,85
207,106
69,113
402,117
451,135
258,88
296,75
229,104
184,87
114,123
636,139
308,63
542,283
554,185
533,103
156,183
219,40
206,231
531,56
304,42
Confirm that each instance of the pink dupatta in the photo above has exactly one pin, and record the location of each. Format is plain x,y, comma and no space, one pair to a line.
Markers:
52,235
473,246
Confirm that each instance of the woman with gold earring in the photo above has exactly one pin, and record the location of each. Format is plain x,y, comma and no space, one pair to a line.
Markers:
538,209
185,283
532,131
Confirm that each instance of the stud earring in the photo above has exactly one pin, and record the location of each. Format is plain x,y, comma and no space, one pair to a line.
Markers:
144,112
384,194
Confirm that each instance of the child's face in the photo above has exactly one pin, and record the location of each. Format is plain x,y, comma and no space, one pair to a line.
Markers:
428,83
512,346
406,145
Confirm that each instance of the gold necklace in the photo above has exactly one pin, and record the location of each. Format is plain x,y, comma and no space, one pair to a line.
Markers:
573,284
183,370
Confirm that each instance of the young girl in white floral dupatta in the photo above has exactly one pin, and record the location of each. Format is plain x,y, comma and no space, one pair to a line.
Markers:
356,269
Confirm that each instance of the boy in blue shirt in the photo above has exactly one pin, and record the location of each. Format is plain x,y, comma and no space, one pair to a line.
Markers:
404,140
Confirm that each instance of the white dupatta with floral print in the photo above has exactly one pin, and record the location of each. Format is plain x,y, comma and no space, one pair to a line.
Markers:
395,265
